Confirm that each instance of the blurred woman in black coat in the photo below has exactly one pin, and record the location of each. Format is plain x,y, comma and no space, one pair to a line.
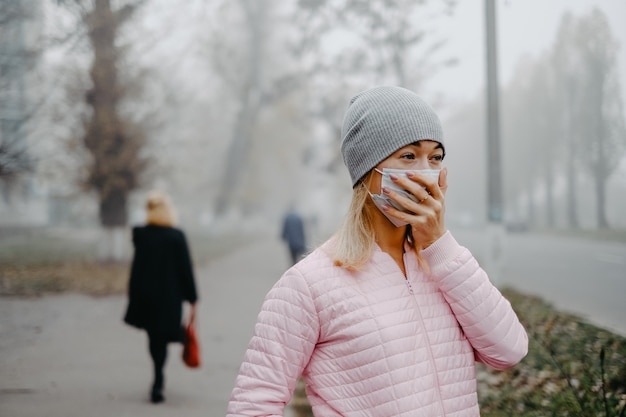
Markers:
161,278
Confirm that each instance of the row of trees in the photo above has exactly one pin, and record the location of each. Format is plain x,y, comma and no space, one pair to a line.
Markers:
564,121
282,54
260,100
272,79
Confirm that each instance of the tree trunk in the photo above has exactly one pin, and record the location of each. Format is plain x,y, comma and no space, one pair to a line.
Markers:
570,177
572,209
601,204
530,207
113,208
600,172
113,245
237,156
116,164
550,217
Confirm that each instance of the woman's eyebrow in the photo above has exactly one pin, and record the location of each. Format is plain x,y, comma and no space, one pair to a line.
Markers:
439,145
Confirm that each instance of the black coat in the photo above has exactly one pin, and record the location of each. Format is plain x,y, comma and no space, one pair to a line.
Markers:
161,278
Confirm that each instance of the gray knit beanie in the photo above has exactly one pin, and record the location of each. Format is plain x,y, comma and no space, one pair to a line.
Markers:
381,120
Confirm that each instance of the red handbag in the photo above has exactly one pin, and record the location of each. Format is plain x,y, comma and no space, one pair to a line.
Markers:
191,347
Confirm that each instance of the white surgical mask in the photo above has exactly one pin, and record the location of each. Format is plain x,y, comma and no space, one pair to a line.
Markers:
382,199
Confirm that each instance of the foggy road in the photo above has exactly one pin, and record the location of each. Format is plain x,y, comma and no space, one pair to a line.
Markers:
581,276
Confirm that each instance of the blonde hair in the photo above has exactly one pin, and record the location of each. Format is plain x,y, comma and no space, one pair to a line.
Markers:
353,242
159,210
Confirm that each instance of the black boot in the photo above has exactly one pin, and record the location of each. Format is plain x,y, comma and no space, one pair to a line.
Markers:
156,396
158,352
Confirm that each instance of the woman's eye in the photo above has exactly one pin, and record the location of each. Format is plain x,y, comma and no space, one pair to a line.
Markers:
437,158
408,156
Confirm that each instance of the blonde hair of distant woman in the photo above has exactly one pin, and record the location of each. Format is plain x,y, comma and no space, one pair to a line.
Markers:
355,239
159,209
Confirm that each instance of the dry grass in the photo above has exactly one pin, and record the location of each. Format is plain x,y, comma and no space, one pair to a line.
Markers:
92,278
572,368
35,262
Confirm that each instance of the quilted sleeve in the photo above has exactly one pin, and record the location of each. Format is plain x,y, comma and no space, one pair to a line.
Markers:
486,317
285,334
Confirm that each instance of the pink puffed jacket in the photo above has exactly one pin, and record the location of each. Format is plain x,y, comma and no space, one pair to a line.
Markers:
372,343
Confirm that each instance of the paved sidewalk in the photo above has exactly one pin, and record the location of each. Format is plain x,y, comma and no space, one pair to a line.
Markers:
72,356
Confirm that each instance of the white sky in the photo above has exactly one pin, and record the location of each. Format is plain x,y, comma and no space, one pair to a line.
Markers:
525,27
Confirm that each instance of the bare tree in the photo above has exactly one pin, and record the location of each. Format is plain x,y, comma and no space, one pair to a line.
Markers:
544,136
114,141
14,160
249,92
569,103
397,36
16,59
388,41
242,62
519,130
604,116
566,64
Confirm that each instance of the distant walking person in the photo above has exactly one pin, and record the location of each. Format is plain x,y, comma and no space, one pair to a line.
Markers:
293,234
161,278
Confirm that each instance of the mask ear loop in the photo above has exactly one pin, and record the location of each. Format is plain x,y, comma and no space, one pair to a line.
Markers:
368,181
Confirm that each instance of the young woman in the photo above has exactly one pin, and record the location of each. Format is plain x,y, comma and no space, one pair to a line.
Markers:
161,279
387,317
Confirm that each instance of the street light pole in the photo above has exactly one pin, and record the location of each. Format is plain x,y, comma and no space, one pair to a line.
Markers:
494,174
493,258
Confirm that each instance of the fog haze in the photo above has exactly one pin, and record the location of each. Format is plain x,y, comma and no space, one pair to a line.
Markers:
241,107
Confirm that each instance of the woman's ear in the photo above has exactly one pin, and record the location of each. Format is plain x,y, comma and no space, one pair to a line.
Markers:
367,179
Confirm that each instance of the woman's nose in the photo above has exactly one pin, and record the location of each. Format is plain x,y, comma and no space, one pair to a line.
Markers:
421,163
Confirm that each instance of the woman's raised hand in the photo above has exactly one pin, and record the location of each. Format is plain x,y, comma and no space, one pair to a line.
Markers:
426,215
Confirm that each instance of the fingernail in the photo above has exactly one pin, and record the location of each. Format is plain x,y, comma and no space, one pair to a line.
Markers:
386,190
385,207
393,177
410,174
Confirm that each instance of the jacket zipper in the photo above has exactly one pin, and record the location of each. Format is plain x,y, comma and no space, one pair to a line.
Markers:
430,350
408,284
